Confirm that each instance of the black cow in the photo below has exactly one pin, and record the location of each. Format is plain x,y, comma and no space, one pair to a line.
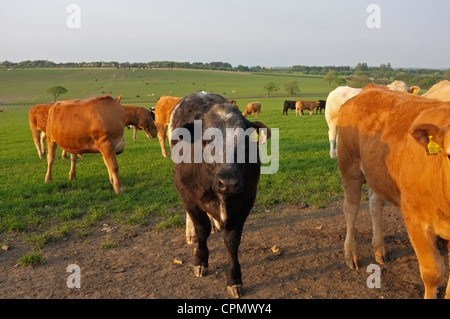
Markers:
226,191
321,106
288,105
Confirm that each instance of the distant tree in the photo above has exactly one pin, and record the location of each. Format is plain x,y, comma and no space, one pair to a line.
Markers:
271,87
340,81
291,87
57,91
330,77
447,74
360,79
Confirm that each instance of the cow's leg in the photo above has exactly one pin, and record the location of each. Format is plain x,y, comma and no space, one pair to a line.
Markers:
73,164
430,260
332,133
109,157
41,148
134,132
376,211
64,154
352,181
50,159
232,240
202,230
190,230
162,138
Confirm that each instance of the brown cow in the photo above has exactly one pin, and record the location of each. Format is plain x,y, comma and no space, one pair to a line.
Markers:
140,119
163,108
384,138
91,126
305,105
252,107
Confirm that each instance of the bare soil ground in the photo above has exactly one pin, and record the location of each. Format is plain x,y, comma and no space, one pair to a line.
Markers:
309,264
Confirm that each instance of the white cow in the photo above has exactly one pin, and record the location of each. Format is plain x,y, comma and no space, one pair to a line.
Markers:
339,96
440,91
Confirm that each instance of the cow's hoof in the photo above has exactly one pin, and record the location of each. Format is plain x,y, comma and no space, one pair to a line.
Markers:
200,271
380,256
234,291
191,239
352,263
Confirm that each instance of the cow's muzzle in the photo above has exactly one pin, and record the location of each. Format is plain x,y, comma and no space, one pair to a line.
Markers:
229,185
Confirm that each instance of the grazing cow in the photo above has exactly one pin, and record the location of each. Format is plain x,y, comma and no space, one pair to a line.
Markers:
322,104
225,190
288,105
163,108
305,105
339,96
440,91
400,145
91,126
252,107
141,119
37,118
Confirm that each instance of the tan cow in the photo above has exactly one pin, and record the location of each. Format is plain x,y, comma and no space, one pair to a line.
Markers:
399,144
252,107
91,126
305,105
163,108
440,91
140,119
37,117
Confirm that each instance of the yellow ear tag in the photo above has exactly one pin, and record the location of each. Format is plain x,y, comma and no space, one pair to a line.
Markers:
262,138
253,137
433,148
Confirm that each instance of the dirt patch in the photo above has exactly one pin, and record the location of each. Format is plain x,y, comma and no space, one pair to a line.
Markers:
140,261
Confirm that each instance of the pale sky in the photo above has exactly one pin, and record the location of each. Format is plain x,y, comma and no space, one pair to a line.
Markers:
411,33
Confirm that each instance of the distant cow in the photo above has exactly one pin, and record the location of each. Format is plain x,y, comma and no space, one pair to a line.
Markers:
440,91
162,111
403,87
37,118
234,103
305,105
226,190
400,145
141,119
322,104
288,105
252,107
91,126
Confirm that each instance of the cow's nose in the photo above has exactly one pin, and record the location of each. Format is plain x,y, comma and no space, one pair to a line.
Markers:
229,185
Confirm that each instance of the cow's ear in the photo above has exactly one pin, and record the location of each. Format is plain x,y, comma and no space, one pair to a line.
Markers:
258,126
429,136
190,127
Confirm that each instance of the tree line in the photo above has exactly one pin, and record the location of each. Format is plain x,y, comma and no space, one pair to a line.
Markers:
357,76
221,66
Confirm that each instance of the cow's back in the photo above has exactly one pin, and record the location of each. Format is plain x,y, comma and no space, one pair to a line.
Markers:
373,128
76,125
163,108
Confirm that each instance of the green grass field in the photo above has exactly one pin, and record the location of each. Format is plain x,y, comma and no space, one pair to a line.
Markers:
43,213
